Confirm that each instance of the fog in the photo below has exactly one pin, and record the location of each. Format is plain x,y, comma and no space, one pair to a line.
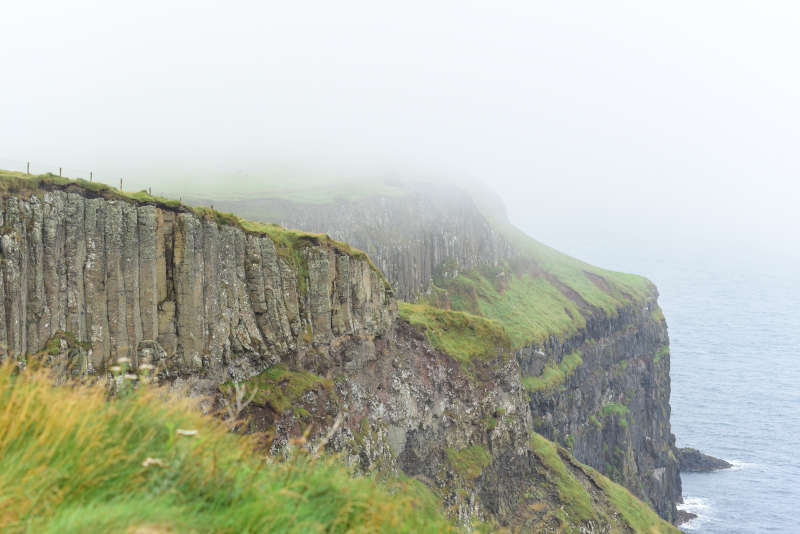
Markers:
620,122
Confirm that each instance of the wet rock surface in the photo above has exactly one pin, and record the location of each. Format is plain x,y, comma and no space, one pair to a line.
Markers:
694,461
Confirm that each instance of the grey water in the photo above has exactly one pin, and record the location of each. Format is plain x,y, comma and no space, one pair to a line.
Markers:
734,325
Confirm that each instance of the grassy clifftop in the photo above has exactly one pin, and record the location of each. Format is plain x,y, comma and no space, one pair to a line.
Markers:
288,243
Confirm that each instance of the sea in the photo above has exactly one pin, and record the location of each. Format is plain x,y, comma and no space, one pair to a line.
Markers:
734,323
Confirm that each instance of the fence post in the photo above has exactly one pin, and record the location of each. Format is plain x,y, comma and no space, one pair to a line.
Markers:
120,184
28,170
59,172
90,176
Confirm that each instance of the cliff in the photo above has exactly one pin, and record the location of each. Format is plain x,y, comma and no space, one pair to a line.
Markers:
591,344
309,327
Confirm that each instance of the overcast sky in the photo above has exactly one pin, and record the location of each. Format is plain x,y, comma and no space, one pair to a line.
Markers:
608,120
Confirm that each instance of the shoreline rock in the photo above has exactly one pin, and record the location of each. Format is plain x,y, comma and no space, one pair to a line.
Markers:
694,461
684,517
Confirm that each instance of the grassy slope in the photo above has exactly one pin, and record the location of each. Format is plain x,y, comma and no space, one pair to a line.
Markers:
72,461
540,293
587,496
290,244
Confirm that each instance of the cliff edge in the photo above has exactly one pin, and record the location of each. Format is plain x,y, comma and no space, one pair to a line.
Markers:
310,329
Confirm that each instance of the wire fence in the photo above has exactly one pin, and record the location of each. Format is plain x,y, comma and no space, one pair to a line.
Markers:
35,167
40,167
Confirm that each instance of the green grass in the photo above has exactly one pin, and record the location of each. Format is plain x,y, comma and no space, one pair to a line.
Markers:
600,288
641,518
581,502
615,409
73,462
281,389
663,350
464,336
469,462
553,375
529,307
541,292
574,497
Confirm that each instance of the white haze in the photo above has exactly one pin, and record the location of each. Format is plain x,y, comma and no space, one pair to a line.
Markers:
614,121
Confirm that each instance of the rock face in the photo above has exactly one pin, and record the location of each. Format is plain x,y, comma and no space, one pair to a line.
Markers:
611,409
312,328
694,461
210,300
410,239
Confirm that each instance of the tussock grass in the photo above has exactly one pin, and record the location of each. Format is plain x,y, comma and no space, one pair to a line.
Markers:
281,388
615,409
469,461
463,336
73,462
553,375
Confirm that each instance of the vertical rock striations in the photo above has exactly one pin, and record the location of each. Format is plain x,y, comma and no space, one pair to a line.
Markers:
216,301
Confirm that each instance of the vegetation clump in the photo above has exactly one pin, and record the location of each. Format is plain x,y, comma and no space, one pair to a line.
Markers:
469,462
73,462
281,388
572,494
463,336
663,350
553,375
615,409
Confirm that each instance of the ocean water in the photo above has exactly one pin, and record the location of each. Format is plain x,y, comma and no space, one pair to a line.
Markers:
735,345
734,325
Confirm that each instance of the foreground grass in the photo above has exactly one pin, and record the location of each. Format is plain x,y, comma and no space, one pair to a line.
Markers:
71,461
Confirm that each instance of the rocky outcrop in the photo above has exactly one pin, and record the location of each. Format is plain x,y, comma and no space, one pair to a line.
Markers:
207,301
694,461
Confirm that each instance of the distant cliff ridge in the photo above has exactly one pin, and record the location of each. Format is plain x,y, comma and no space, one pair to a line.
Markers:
310,328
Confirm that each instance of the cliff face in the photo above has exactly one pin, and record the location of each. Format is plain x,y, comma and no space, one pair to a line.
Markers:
212,301
613,408
410,238
592,349
311,329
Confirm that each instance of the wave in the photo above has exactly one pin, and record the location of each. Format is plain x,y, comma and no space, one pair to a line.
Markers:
700,507
738,464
